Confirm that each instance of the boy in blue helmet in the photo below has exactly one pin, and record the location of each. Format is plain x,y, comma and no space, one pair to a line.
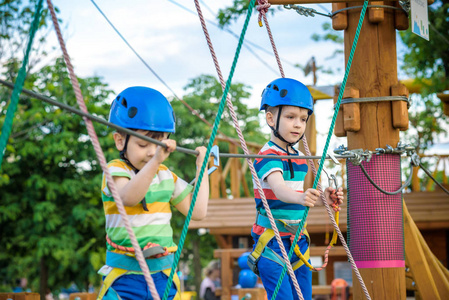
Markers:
288,105
148,189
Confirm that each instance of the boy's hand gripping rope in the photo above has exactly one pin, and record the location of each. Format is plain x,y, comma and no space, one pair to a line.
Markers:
316,182
246,151
209,146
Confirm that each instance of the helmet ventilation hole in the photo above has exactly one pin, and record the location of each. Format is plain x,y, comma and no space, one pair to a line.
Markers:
275,87
124,103
132,111
283,93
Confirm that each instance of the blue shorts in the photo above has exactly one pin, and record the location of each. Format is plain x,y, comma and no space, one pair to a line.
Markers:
270,271
132,287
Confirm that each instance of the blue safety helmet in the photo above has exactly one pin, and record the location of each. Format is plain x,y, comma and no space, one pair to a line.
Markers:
287,91
143,108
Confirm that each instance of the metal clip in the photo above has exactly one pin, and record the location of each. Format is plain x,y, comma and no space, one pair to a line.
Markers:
415,160
215,153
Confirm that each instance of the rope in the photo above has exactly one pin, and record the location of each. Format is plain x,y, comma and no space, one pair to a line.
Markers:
430,175
245,149
263,9
317,174
93,136
211,142
7,125
193,111
151,140
409,179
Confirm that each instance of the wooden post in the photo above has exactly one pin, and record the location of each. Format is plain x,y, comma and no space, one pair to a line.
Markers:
235,166
372,125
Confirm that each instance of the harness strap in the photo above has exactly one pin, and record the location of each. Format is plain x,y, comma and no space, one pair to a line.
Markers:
109,280
177,283
130,263
282,226
261,250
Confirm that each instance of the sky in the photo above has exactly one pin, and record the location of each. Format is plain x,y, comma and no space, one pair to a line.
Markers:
171,41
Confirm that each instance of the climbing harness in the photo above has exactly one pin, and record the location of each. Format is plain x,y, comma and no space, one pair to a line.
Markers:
262,250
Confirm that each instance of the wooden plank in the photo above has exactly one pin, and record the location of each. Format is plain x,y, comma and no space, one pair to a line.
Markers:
418,264
441,281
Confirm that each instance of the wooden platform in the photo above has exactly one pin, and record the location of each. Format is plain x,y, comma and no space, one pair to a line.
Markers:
429,210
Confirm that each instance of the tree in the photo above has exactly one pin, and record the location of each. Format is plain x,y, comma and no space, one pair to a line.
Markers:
428,63
204,94
51,213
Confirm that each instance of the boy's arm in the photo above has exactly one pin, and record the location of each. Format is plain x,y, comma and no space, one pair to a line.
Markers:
132,191
200,210
287,195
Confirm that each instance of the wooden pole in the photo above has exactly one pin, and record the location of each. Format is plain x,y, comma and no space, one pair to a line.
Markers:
377,124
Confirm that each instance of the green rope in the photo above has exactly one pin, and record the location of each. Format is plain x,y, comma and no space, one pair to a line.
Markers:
7,125
209,147
331,130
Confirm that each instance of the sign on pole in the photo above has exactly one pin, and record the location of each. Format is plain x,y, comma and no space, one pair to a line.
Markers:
420,20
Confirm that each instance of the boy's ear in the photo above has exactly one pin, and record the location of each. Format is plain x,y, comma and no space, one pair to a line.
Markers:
119,141
270,118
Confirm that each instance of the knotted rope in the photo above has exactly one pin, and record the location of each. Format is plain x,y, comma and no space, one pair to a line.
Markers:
316,173
96,144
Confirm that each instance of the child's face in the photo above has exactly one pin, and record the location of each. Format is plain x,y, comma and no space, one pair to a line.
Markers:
292,122
139,151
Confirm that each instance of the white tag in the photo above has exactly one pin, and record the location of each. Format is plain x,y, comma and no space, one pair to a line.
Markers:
420,19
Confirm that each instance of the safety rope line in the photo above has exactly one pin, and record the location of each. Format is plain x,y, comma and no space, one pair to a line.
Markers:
245,149
407,182
317,174
192,110
151,140
96,144
430,175
18,86
209,147
263,9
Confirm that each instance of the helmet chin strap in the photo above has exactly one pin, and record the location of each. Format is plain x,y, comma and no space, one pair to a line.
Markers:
289,144
123,157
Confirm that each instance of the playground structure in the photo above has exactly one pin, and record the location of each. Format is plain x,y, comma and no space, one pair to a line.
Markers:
356,122
231,217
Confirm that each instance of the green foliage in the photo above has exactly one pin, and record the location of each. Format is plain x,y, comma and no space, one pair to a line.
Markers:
428,62
204,94
51,210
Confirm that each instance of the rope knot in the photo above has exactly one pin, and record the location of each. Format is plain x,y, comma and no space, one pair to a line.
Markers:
263,7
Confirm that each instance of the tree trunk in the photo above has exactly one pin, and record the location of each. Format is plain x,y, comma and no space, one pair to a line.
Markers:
43,278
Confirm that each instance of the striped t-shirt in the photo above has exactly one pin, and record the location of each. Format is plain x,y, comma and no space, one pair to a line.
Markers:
266,166
149,226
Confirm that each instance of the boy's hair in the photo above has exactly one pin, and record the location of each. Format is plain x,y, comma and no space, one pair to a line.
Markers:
272,109
152,134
